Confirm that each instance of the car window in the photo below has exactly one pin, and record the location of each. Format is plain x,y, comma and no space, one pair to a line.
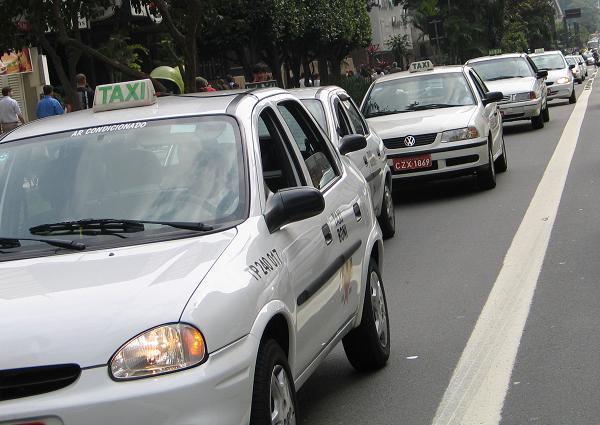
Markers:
188,170
315,107
317,156
549,62
477,83
355,117
502,68
418,93
343,122
279,169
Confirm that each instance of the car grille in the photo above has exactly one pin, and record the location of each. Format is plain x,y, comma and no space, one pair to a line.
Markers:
25,382
420,140
549,83
507,98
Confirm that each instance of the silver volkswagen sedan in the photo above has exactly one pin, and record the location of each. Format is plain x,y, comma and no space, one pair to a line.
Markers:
523,86
560,82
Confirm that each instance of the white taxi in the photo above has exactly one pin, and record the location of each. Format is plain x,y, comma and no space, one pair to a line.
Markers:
186,260
438,122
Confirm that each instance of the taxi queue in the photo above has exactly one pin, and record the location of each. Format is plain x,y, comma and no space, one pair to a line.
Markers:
194,258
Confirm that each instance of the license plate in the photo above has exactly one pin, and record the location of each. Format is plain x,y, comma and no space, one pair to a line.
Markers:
412,163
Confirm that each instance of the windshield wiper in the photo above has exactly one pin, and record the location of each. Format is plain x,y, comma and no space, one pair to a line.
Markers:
504,77
382,113
16,243
432,106
109,226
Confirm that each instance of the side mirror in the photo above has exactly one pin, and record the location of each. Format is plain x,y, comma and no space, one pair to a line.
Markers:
493,96
291,205
542,74
352,143
572,66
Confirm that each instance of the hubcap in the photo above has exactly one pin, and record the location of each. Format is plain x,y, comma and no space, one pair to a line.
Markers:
389,205
282,402
379,309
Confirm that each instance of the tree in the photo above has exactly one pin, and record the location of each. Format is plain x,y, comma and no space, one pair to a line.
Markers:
399,45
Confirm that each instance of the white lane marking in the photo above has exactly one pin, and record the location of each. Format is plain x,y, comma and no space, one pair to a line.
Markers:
479,384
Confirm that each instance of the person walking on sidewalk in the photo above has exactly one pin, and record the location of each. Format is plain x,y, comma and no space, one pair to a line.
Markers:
10,113
48,105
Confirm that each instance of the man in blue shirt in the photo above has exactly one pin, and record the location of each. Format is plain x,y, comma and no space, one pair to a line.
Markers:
48,105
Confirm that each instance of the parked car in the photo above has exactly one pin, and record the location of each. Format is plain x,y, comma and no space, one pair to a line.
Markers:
578,72
230,248
583,65
521,83
560,81
438,122
336,112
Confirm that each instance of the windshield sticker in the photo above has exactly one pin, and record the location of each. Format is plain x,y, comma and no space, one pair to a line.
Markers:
109,128
3,156
183,128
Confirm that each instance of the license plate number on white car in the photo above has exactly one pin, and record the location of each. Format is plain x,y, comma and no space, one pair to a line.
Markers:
412,163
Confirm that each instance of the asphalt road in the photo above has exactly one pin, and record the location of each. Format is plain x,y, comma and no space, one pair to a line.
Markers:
439,270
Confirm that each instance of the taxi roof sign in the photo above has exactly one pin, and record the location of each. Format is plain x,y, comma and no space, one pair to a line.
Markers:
128,94
539,50
421,66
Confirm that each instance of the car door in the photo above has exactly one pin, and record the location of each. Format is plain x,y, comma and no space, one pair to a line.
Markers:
326,252
491,113
376,156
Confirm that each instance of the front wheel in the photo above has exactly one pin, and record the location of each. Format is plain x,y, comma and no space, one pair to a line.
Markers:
538,122
501,163
573,98
387,218
368,346
546,113
486,177
273,395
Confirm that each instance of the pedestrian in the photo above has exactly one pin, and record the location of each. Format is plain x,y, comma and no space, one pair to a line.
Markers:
48,105
395,68
10,113
202,85
84,93
260,73
316,80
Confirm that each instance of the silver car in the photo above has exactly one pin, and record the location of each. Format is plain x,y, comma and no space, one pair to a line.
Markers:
438,123
336,112
560,81
578,72
523,86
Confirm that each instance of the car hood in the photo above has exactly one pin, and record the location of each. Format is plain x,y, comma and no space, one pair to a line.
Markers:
80,308
555,74
422,122
512,85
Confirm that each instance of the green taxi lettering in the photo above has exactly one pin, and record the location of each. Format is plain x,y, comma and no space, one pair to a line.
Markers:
132,91
104,91
117,95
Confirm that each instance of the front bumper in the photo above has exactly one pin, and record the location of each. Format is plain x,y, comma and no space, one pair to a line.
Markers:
216,392
515,111
448,159
560,91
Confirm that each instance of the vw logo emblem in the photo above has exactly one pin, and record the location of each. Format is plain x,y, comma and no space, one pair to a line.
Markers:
409,141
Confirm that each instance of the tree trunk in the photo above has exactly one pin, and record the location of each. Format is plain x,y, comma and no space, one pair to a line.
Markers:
336,71
69,88
323,68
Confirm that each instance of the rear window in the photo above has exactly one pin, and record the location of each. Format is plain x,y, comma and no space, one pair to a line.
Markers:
502,69
315,107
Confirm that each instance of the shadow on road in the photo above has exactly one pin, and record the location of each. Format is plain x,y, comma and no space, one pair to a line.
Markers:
518,127
435,191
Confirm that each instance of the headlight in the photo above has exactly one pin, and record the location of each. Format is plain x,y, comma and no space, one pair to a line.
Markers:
520,97
159,350
563,80
460,134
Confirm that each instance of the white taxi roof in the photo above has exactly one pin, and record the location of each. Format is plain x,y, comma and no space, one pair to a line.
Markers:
165,107
546,53
405,74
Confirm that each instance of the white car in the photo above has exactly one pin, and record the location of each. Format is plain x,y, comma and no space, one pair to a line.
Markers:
522,85
336,112
189,260
438,122
560,81
578,71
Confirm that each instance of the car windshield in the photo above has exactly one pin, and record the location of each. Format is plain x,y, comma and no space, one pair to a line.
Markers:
571,61
501,69
176,170
315,107
417,93
548,62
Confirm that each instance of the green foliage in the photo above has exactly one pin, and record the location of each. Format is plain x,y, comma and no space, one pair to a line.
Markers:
399,45
356,86
119,48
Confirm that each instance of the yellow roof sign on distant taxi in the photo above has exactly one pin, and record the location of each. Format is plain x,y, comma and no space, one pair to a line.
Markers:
541,50
421,66
128,94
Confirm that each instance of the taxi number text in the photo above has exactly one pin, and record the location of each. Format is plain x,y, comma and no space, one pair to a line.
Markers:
265,265
412,163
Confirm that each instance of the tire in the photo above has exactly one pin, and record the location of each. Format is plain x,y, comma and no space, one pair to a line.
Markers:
368,346
486,177
573,98
538,122
501,164
546,113
272,373
387,217
580,81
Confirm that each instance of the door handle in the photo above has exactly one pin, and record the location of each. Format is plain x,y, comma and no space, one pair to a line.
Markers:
327,234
